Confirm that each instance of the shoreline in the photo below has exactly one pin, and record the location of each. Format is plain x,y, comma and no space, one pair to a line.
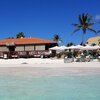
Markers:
48,71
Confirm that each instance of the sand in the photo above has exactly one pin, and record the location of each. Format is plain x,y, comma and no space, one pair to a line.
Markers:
46,67
47,62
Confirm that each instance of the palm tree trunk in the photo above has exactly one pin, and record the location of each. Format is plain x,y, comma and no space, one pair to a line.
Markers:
82,39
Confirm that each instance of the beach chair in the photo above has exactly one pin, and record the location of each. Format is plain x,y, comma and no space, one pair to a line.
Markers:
98,58
80,59
68,60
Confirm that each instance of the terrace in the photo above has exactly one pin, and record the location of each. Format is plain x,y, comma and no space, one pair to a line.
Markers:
24,54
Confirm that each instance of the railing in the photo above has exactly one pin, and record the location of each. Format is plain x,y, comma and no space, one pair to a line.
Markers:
22,54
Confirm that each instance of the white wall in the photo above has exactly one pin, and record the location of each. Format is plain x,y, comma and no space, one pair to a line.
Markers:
19,48
4,48
39,47
29,47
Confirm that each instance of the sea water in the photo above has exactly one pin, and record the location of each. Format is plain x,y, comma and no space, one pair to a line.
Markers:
64,87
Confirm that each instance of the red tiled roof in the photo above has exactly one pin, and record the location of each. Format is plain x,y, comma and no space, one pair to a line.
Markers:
21,41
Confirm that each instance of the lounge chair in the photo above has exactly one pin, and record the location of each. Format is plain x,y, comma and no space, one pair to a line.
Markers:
68,60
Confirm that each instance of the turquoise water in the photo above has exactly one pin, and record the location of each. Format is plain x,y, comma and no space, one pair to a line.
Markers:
67,87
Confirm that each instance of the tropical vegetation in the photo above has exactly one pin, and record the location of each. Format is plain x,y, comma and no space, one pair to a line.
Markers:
85,23
70,44
57,38
20,35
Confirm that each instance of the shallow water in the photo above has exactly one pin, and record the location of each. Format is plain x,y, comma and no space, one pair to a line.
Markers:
50,87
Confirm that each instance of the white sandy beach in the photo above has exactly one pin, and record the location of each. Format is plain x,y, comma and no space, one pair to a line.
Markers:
46,67
38,62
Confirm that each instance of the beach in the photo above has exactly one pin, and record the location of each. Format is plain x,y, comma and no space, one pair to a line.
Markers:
47,62
47,66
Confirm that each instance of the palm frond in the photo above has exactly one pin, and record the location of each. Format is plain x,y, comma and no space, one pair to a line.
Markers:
80,20
75,30
98,31
98,22
77,25
60,40
84,17
92,30
92,23
89,18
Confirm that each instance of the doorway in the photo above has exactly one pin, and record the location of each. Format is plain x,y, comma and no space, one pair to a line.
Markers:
11,48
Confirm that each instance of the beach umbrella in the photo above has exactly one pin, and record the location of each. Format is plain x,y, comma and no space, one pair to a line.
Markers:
54,48
63,47
75,47
88,47
96,47
79,46
57,48
71,47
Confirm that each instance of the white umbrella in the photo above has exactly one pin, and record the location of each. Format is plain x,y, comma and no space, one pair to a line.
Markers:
54,48
61,48
75,47
79,46
88,47
96,47
71,47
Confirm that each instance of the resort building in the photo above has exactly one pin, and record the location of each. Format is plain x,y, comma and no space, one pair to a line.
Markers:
24,47
94,40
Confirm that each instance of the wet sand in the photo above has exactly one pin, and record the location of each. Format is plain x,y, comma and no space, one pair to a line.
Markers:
43,71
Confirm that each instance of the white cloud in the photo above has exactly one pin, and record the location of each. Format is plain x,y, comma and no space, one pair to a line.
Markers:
97,17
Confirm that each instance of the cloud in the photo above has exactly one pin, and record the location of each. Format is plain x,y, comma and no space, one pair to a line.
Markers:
97,17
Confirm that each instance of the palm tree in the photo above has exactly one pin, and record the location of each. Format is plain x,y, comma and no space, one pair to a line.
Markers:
57,38
20,35
84,25
70,44
98,30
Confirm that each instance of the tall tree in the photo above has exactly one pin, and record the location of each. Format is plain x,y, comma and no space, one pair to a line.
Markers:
85,23
57,38
20,35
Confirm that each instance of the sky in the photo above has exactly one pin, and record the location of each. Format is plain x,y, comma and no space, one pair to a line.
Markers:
45,18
